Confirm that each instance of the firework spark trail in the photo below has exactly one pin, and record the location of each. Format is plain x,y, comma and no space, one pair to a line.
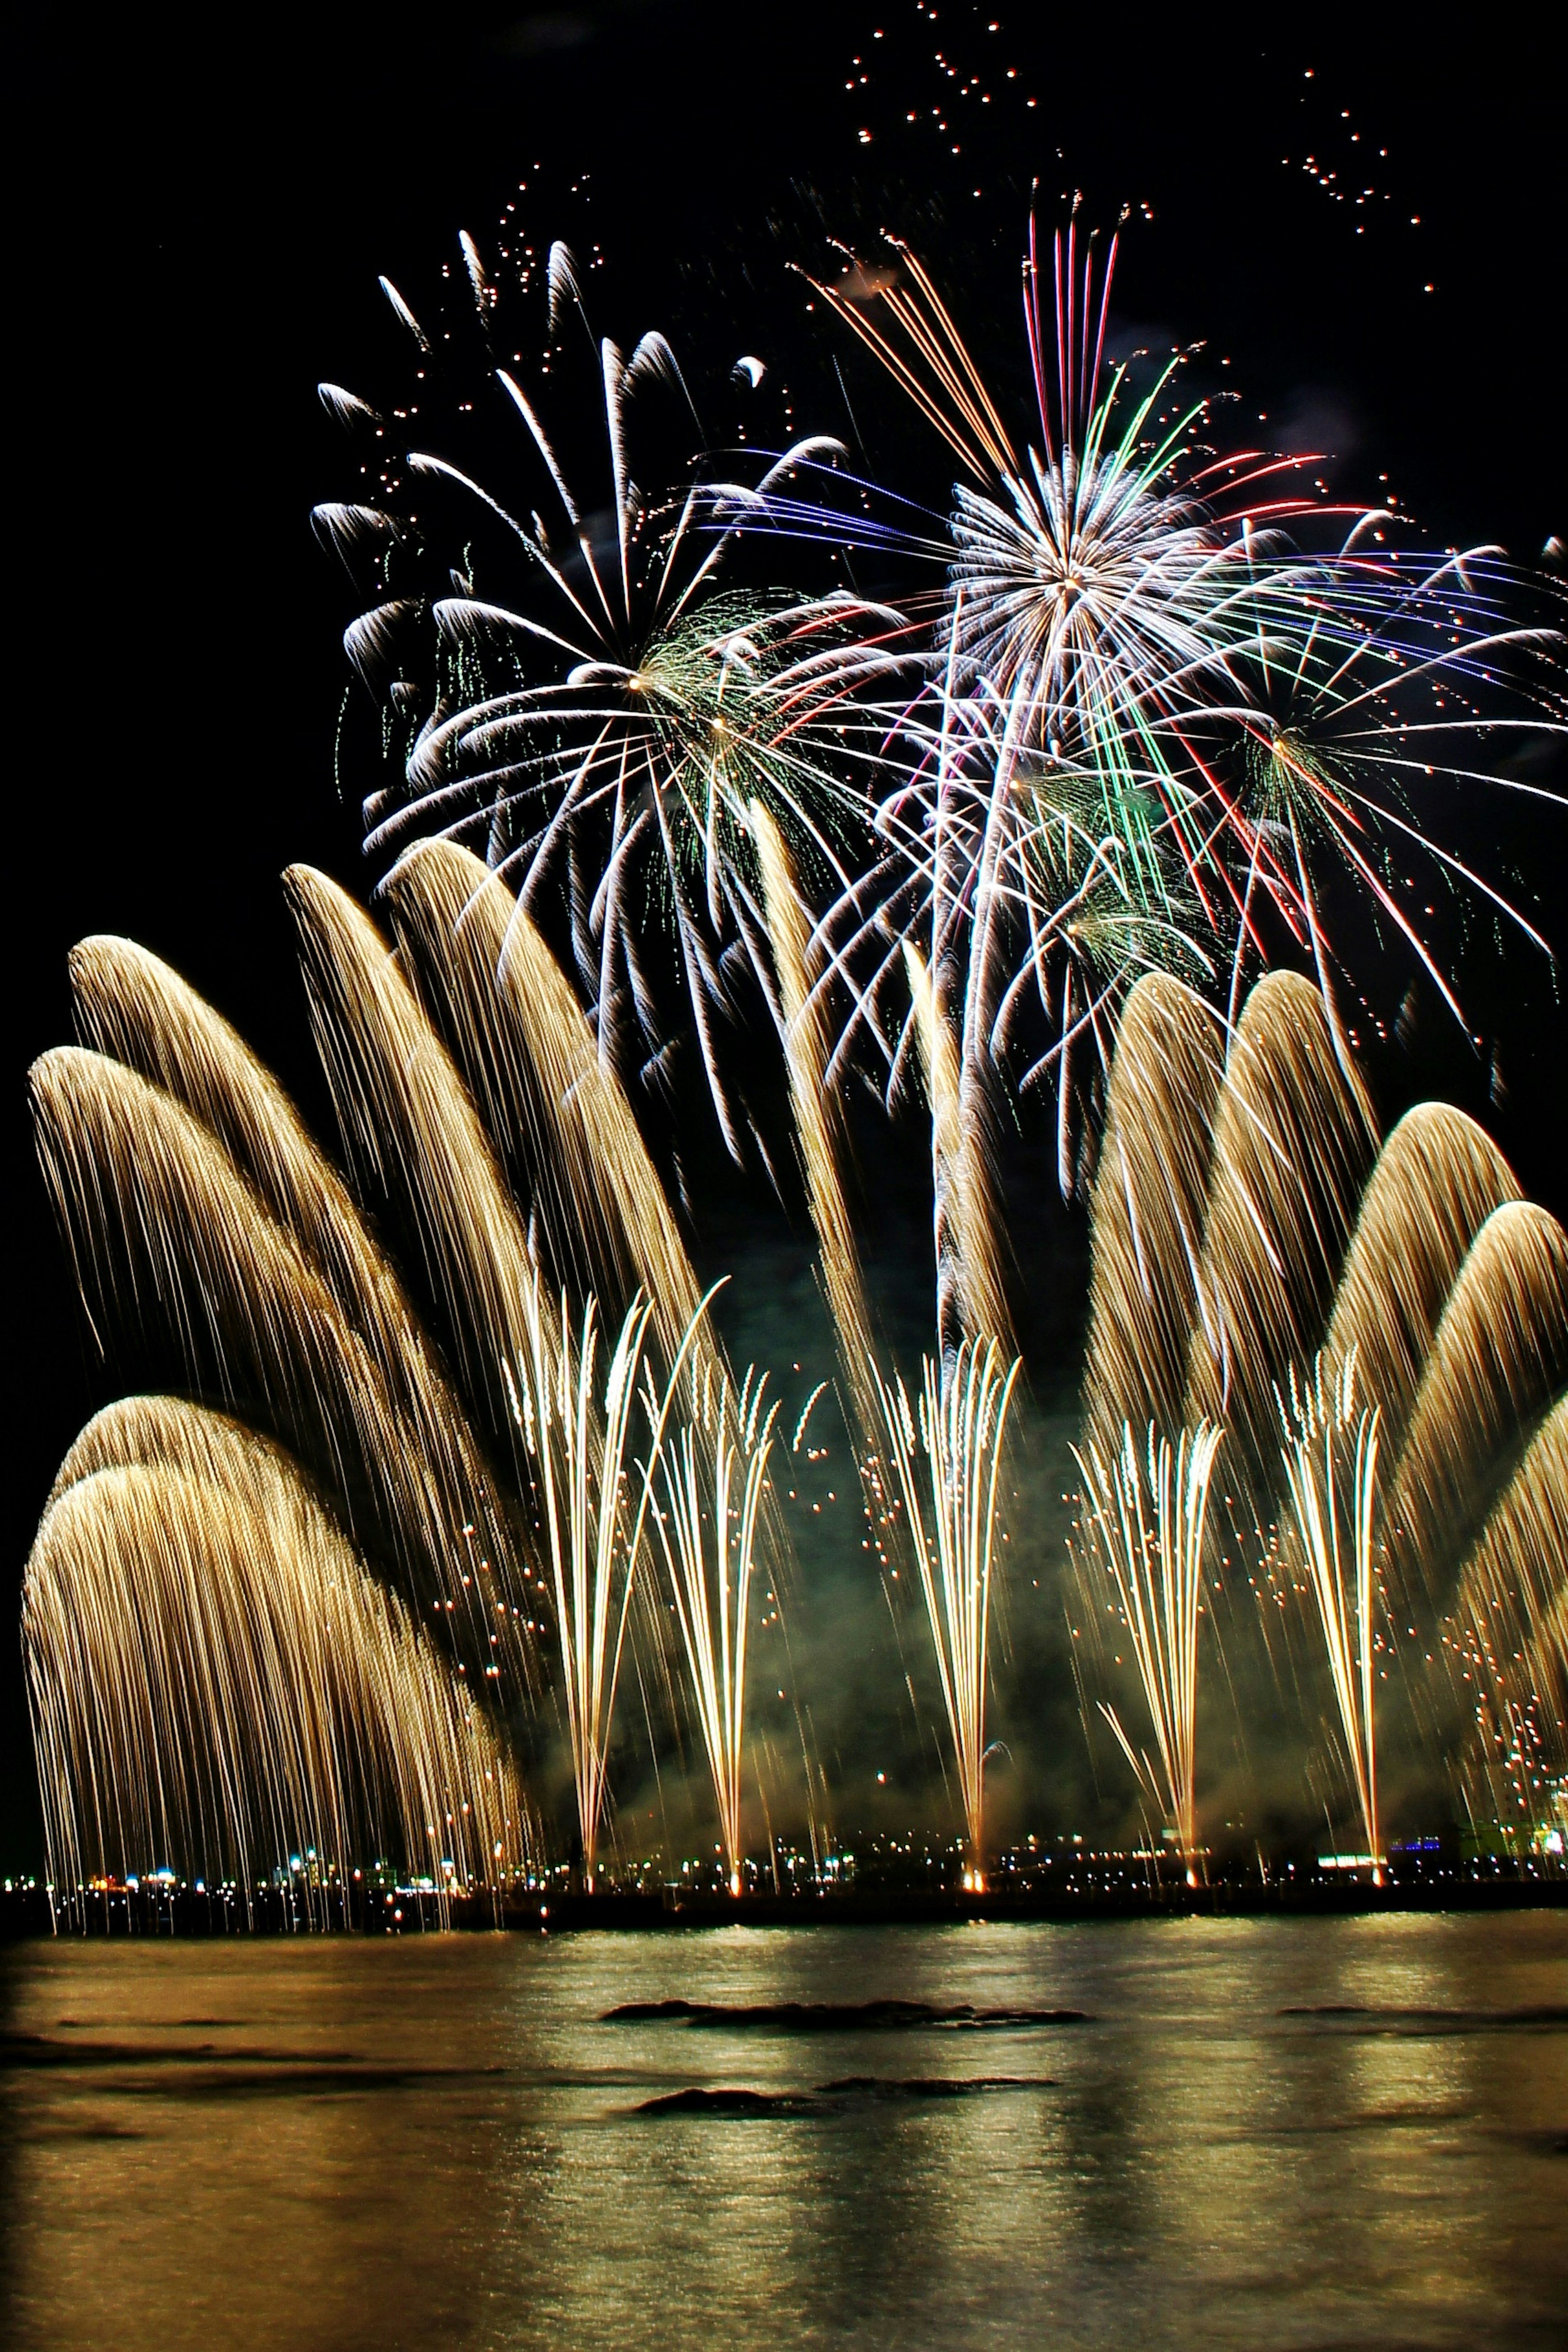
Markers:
411,1133
818,1128
971,1302
214,1677
1147,1210
1437,1179
1451,1299
952,1518
1512,1616
1234,716
1336,1532
575,1441
1147,1523
155,1208
528,1055
1293,1141
1499,1357
613,733
134,1009
710,1580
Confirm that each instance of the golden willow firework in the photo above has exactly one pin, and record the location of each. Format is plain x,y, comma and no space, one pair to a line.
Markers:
213,1239
216,1679
1243,1220
951,1510
1147,1533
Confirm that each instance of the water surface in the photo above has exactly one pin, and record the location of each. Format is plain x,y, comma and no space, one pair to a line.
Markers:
1307,2133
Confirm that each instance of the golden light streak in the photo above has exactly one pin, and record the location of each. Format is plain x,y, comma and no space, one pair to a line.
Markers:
1147,1212
952,1515
1334,1498
532,1064
214,1677
971,1297
808,1043
710,1565
1147,1523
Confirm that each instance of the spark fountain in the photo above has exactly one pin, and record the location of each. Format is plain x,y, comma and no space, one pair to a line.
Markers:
1149,1534
1246,1227
951,1521
710,1567
1335,1530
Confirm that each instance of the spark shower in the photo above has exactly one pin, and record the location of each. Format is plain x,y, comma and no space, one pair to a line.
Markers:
1082,824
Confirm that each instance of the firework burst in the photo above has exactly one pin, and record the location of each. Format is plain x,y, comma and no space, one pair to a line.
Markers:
602,735
1159,728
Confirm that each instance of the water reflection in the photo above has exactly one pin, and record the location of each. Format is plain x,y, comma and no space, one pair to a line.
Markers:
438,2142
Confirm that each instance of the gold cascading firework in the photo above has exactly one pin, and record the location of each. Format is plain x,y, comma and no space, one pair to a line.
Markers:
1238,1228
213,1674
808,1044
1511,1634
413,1134
710,1567
134,1011
531,1063
971,1300
1147,1210
155,1210
1333,1499
1293,1145
1439,1177
952,1517
1499,1357
1148,1534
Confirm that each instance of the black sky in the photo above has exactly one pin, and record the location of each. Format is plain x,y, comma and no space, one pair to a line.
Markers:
197,226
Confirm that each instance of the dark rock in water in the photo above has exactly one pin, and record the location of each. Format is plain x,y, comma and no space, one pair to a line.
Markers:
830,2098
697,2102
832,2016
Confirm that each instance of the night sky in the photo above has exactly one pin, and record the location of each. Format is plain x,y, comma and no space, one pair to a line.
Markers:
195,242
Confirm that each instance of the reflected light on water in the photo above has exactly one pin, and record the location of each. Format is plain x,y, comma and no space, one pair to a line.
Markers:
1267,2131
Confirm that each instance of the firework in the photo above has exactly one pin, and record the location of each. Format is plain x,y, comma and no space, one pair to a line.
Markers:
1512,1630
412,1135
806,1053
1498,1360
1147,1210
609,734
598,1211
576,1447
1147,1523
1147,708
214,1677
155,1210
710,1565
1334,1500
1439,1177
951,1511
235,1264
970,1300
1238,1230
1293,1142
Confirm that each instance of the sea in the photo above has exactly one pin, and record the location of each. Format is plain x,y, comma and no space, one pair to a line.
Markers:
1198,2132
